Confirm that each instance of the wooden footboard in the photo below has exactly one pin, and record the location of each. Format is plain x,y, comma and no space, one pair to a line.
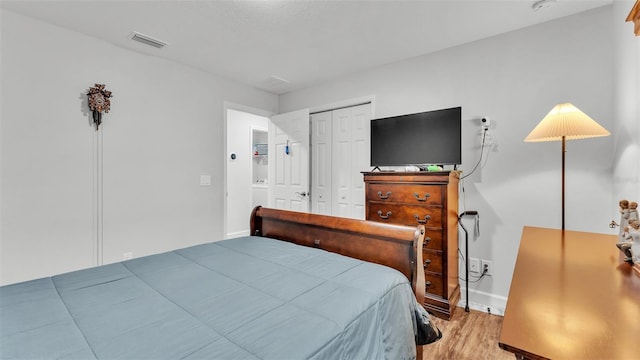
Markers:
399,247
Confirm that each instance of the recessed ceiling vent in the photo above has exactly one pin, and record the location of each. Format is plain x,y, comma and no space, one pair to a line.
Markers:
274,84
148,40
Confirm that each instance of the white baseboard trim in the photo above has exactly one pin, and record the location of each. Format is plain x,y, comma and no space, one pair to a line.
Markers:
237,234
483,301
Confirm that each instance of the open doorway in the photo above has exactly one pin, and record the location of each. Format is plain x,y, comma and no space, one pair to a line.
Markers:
246,168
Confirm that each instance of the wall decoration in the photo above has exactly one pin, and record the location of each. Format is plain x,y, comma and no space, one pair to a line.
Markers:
99,102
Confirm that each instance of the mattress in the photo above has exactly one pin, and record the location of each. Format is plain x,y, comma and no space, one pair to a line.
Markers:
244,298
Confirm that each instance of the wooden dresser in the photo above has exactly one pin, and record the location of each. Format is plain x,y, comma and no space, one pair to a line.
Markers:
430,199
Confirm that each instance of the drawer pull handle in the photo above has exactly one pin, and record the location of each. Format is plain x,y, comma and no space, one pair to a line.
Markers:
426,241
426,196
384,216
427,263
384,197
427,284
422,221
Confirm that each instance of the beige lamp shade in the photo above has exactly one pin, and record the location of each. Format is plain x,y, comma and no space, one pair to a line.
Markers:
566,120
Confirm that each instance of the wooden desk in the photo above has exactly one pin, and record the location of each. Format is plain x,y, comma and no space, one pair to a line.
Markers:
571,298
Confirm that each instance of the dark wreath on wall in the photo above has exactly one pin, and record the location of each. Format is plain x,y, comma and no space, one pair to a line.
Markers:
99,102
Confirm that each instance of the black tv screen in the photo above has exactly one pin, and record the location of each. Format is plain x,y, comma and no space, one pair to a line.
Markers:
426,138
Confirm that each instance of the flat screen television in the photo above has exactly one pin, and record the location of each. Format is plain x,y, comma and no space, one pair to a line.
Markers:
426,138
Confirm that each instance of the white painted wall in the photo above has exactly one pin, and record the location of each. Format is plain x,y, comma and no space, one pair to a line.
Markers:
626,106
515,79
165,129
239,171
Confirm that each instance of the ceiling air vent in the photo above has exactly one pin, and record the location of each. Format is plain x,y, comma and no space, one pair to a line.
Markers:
148,40
274,84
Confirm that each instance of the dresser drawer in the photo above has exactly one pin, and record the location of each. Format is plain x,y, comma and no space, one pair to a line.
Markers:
406,193
432,261
433,239
413,215
434,284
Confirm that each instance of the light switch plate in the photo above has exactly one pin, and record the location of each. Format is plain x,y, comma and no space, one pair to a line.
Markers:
205,180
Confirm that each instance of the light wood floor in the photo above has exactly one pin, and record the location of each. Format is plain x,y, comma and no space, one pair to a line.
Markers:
473,335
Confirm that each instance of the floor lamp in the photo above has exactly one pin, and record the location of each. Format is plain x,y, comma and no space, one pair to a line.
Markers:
565,122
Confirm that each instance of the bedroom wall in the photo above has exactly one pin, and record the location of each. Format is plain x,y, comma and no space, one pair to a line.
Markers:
626,107
133,186
515,79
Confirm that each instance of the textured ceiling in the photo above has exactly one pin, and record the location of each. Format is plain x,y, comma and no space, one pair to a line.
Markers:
262,43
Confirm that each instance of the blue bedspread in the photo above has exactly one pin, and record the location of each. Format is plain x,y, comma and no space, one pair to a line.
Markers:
245,298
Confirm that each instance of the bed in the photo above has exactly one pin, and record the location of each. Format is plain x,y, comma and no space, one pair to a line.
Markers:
262,296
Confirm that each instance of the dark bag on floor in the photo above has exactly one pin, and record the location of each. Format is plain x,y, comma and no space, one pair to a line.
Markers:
427,332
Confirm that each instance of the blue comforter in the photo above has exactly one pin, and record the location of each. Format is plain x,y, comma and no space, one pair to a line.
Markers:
245,298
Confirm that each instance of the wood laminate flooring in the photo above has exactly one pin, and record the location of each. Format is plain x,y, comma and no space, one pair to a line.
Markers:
473,335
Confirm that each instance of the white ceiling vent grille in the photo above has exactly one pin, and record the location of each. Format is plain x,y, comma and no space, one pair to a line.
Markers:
148,40
274,84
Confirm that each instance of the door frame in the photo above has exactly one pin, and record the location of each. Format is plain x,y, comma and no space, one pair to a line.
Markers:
227,105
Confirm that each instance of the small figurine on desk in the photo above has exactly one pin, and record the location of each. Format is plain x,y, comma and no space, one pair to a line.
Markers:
630,245
624,217
633,211
624,235
634,235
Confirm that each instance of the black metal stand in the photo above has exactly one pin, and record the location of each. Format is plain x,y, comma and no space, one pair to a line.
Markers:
466,253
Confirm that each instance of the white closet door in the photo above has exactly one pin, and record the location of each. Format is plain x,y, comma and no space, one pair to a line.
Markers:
341,162
350,139
321,163
361,154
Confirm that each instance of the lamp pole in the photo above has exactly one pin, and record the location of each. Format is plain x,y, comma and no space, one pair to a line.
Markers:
564,150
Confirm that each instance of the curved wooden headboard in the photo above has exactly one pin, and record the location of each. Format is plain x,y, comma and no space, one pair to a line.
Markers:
399,247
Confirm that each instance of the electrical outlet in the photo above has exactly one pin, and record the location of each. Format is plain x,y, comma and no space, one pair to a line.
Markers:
474,265
127,256
487,266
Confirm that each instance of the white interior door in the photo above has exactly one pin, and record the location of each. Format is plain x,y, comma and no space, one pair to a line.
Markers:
351,128
361,157
321,163
341,164
289,161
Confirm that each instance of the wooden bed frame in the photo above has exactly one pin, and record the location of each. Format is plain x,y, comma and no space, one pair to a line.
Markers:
399,247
